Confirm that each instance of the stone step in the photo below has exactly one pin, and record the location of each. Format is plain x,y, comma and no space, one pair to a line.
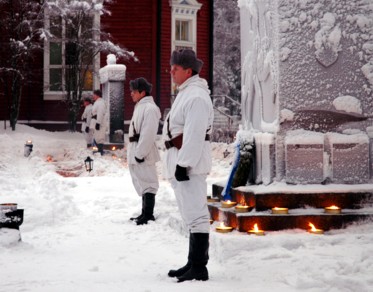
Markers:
297,218
292,197
305,205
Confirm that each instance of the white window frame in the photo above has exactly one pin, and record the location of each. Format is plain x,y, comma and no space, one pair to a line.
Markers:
184,10
59,95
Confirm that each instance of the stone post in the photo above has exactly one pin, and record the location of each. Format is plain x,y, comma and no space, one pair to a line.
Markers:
112,78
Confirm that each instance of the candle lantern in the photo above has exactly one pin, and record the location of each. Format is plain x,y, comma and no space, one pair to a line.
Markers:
332,210
88,164
223,229
277,210
314,230
28,148
242,207
255,230
228,204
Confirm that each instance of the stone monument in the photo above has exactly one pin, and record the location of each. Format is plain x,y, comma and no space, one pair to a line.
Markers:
307,80
112,78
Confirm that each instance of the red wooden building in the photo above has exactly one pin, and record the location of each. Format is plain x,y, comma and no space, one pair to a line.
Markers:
149,28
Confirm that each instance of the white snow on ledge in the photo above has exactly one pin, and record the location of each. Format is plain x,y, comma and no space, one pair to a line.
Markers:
286,115
304,137
348,104
114,72
282,187
336,138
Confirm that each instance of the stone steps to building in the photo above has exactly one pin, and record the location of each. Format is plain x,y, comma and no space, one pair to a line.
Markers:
305,205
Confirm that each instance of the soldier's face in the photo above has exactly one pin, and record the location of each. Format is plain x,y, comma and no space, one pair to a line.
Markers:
136,95
179,74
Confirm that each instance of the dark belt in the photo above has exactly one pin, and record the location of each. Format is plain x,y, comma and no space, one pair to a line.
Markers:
177,142
94,117
135,138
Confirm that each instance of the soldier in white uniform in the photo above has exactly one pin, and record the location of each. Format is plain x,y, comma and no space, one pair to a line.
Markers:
86,118
142,152
187,160
98,122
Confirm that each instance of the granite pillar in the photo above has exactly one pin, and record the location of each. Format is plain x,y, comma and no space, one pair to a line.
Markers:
112,78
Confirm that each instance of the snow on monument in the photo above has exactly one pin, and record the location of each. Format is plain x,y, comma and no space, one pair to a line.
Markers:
307,80
112,78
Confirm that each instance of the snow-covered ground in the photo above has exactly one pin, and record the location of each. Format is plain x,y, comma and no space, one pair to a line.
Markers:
76,235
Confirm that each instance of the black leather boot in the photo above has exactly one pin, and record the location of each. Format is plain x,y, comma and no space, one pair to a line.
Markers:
142,210
148,209
199,258
183,270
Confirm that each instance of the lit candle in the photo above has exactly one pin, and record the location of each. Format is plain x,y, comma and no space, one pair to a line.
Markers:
277,210
223,229
113,148
228,204
241,209
332,210
256,230
95,149
314,230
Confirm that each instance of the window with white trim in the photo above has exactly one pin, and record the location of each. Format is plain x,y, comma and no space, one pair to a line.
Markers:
184,26
58,54
184,23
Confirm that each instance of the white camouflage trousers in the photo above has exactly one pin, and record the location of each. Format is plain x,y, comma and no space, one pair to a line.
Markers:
144,178
192,202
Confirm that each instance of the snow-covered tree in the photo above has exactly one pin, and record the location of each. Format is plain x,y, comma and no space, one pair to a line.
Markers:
74,22
20,27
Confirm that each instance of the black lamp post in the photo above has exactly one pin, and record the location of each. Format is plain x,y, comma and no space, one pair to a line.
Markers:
28,148
88,164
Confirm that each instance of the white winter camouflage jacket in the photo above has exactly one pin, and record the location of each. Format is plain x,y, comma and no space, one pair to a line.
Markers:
145,122
192,115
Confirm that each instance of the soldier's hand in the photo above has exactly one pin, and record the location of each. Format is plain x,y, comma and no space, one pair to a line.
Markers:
181,173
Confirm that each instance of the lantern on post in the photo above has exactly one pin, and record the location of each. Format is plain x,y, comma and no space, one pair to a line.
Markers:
28,148
88,164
